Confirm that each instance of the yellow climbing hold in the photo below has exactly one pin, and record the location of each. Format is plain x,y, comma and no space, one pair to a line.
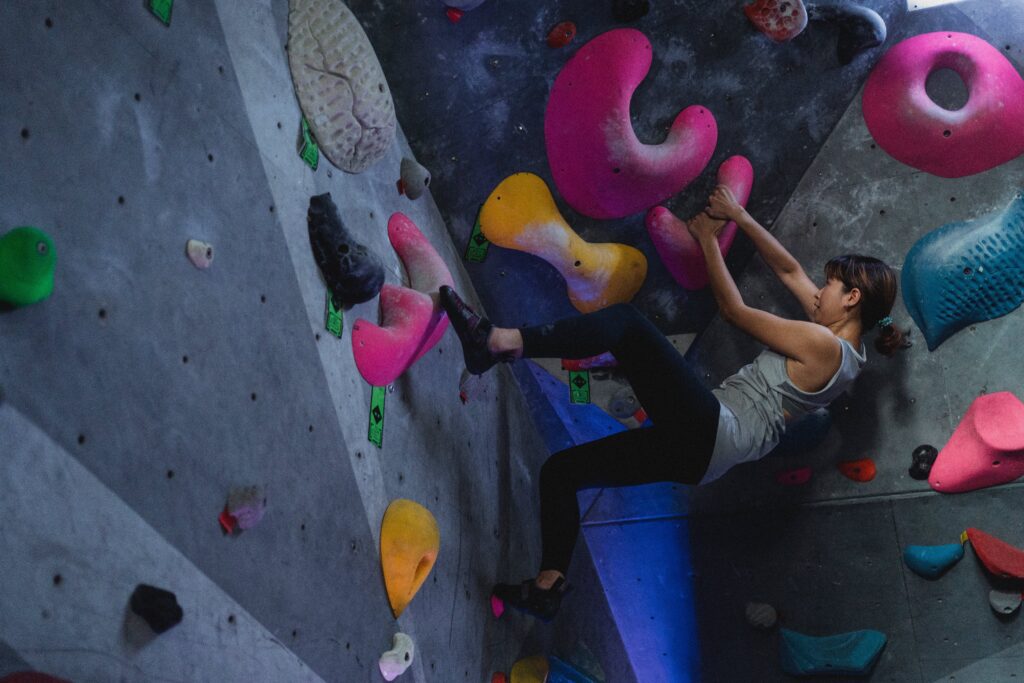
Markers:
530,670
409,541
521,214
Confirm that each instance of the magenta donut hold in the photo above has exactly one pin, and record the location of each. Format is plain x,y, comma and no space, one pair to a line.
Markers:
599,166
915,130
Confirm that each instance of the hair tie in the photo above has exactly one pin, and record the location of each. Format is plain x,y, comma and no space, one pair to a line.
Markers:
885,322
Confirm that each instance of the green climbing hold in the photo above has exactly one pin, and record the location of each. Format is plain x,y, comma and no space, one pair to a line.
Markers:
27,259
845,654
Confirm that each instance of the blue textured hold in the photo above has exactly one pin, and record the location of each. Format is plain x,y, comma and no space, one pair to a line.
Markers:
932,561
966,272
560,672
846,654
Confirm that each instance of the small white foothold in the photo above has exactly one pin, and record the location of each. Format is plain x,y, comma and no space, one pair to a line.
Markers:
199,253
761,615
415,178
395,661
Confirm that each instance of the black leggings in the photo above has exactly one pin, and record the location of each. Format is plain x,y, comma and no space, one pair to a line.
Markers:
676,448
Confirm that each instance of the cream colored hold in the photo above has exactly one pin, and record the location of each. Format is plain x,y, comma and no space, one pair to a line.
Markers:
521,214
340,84
409,543
395,661
199,253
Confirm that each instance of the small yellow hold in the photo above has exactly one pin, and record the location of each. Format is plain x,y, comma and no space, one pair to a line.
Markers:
521,214
409,542
531,670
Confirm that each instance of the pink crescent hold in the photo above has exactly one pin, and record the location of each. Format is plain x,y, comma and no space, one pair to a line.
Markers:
599,166
412,320
677,248
986,449
913,129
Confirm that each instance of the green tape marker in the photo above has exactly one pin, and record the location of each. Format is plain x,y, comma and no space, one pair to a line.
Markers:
162,10
476,250
310,153
333,318
376,434
579,386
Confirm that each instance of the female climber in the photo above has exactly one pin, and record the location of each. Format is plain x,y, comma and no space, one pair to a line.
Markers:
698,433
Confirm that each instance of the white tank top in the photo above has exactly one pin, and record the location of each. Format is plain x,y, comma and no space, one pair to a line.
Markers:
756,399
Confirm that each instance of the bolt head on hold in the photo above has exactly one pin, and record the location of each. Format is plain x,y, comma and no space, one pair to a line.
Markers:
415,178
199,253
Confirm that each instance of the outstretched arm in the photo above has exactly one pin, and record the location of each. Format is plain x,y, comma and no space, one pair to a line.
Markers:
723,204
804,342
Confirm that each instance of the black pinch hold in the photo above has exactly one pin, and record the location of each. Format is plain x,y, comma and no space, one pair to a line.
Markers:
626,11
860,28
353,273
159,608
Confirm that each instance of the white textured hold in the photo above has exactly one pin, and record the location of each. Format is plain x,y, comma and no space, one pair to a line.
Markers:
761,615
395,661
340,84
199,253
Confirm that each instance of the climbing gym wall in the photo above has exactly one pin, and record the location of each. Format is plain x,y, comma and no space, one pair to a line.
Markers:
180,414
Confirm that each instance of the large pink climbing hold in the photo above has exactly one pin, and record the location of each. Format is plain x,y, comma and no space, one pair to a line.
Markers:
986,449
909,125
678,250
412,320
599,166
780,20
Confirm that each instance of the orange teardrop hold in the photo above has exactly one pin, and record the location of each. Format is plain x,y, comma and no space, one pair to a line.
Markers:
562,34
858,470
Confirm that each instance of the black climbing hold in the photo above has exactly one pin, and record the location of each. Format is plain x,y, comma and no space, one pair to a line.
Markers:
158,607
352,272
860,28
626,11
923,457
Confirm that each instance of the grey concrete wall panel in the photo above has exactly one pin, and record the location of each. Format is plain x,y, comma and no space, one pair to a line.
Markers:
171,385
827,570
340,84
80,552
10,661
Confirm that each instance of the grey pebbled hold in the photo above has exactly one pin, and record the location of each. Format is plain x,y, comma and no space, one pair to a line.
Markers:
340,84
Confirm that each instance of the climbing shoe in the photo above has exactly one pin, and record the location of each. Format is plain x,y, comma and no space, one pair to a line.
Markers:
529,599
473,331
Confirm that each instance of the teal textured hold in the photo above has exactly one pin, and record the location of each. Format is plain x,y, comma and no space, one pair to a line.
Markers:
560,672
846,654
932,561
966,272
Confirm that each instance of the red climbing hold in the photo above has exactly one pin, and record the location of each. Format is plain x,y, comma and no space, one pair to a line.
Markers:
499,677
858,470
31,677
401,186
454,14
227,521
562,34
604,360
794,477
497,606
780,20
999,557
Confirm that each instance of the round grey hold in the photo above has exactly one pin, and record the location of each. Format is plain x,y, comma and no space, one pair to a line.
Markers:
623,404
761,615
1003,602
415,178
